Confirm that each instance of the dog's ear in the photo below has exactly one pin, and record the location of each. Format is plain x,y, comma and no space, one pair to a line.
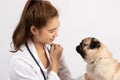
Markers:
94,44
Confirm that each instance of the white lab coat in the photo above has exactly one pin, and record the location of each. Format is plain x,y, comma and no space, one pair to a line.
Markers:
23,67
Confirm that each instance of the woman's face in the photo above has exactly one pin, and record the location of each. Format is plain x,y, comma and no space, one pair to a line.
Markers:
47,34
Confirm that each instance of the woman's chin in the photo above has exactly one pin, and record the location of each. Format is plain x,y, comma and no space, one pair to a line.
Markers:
50,42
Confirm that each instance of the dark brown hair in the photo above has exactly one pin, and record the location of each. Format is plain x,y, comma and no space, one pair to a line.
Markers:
36,13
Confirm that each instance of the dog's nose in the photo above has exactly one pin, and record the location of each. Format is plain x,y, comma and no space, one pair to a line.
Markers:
78,49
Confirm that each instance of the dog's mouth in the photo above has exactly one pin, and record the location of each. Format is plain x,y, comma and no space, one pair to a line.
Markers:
80,50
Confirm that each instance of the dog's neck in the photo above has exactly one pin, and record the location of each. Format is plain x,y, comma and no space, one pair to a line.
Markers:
93,61
97,60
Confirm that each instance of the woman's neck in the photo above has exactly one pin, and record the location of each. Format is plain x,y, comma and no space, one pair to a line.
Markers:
40,48
38,45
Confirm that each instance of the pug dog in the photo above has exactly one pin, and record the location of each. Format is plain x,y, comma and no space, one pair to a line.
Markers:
100,63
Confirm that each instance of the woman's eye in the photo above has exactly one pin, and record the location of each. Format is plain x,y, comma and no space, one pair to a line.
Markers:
52,31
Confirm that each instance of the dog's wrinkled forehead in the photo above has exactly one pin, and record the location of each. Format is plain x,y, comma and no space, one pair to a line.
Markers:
87,40
91,42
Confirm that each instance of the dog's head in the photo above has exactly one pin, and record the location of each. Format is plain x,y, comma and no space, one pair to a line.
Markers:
91,48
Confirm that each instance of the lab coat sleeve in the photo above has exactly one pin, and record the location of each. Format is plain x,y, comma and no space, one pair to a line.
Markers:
82,77
64,72
53,76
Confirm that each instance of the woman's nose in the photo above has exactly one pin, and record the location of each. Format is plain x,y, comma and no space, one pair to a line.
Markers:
56,34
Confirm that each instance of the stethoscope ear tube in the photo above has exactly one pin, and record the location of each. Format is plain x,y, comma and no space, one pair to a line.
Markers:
35,60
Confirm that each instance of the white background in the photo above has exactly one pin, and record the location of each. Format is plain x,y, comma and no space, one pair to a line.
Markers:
79,19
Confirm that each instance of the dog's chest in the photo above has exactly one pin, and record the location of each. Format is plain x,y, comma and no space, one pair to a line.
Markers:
101,71
95,71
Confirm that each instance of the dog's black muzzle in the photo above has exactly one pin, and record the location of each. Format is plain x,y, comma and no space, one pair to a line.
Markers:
80,50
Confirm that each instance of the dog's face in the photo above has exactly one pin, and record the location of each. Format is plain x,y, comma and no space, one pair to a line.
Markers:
88,47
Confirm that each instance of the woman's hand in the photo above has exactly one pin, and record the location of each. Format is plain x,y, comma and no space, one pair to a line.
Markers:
55,54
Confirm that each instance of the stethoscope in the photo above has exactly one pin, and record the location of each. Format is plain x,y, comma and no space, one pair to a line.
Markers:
35,61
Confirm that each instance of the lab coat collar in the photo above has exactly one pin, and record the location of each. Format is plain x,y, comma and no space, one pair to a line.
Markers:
34,52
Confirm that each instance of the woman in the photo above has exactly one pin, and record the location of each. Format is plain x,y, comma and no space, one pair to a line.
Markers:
35,56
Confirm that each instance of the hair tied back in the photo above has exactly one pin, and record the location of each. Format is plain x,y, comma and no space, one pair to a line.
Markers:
35,0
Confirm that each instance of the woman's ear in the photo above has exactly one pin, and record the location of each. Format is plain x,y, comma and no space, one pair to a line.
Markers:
33,30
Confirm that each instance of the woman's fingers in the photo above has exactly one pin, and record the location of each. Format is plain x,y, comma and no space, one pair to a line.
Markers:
56,50
52,48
